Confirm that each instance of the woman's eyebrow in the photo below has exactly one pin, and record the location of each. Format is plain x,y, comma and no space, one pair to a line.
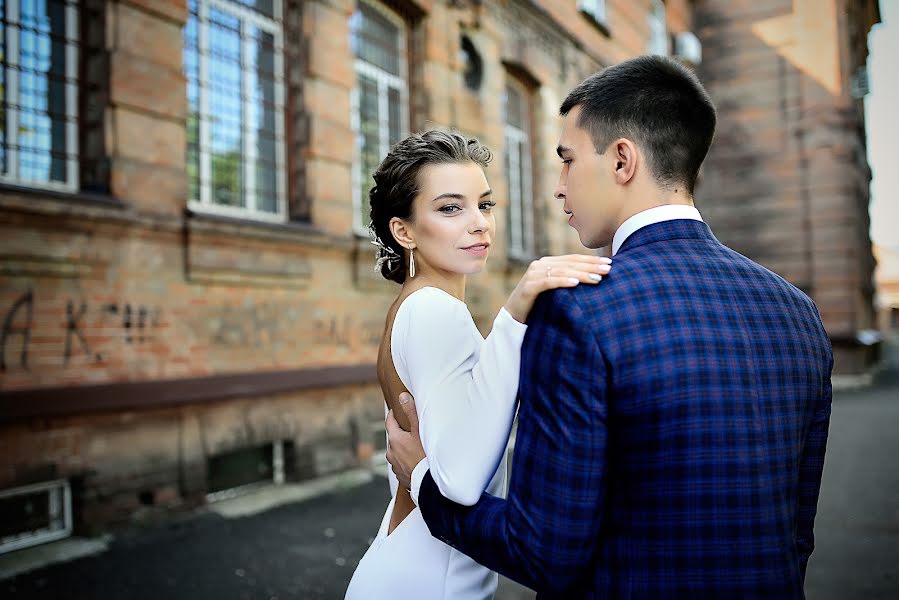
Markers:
449,195
455,196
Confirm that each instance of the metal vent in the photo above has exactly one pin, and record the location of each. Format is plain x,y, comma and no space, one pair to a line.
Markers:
233,473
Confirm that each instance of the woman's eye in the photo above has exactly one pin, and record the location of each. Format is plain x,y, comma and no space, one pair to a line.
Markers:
450,208
487,205
566,162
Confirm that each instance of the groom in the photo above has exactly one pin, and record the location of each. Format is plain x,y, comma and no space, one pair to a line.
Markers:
673,419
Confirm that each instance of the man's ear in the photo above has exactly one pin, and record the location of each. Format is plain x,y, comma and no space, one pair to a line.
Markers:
625,154
402,233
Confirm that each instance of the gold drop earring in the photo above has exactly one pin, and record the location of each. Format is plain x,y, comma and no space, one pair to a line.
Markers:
411,263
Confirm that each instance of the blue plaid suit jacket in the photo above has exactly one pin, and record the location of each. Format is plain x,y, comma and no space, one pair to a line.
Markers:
671,433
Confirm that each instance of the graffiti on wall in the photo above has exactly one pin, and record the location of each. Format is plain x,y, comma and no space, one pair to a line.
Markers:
258,325
14,330
135,324
267,324
348,331
95,332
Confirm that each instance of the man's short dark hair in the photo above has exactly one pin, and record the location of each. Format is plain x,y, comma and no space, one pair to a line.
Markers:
658,104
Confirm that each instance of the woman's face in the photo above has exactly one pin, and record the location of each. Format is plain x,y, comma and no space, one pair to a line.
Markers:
452,226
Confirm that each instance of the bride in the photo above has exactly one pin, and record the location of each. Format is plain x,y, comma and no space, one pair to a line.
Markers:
432,221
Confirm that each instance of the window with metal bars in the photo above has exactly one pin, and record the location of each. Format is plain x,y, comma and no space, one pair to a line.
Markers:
233,63
519,176
380,113
39,89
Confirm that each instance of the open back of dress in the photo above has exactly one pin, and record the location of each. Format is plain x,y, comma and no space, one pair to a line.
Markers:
392,386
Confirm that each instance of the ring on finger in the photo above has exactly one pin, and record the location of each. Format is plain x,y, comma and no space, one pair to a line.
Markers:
549,271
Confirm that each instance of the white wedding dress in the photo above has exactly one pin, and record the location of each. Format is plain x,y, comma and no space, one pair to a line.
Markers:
465,390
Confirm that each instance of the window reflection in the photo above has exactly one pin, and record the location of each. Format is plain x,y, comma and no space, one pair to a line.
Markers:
234,92
517,162
38,127
377,38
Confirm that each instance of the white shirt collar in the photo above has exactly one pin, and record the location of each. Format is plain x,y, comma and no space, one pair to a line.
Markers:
668,212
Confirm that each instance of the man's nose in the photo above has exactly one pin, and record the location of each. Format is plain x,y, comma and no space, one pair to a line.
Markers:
559,194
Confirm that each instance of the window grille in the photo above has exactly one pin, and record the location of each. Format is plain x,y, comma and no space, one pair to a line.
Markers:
39,89
233,63
380,98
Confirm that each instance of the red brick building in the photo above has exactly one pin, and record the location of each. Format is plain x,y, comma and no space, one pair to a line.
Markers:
188,303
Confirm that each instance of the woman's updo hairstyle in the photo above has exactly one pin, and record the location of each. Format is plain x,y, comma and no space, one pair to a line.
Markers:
396,185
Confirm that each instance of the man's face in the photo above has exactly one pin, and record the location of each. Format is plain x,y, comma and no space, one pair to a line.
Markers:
587,185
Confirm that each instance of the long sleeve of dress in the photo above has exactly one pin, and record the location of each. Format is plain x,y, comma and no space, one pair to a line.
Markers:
545,534
465,387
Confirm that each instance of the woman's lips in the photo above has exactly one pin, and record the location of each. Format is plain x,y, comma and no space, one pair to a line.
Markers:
479,250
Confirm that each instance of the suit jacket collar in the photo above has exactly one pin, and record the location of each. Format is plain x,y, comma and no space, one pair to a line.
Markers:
665,212
679,229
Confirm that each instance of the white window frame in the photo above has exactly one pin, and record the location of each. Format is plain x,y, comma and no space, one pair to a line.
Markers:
658,28
12,92
594,8
385,81
59,496
272,26
521,191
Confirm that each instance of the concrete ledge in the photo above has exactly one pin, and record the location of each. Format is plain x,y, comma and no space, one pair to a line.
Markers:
269,497
37,557
20,405
845,383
